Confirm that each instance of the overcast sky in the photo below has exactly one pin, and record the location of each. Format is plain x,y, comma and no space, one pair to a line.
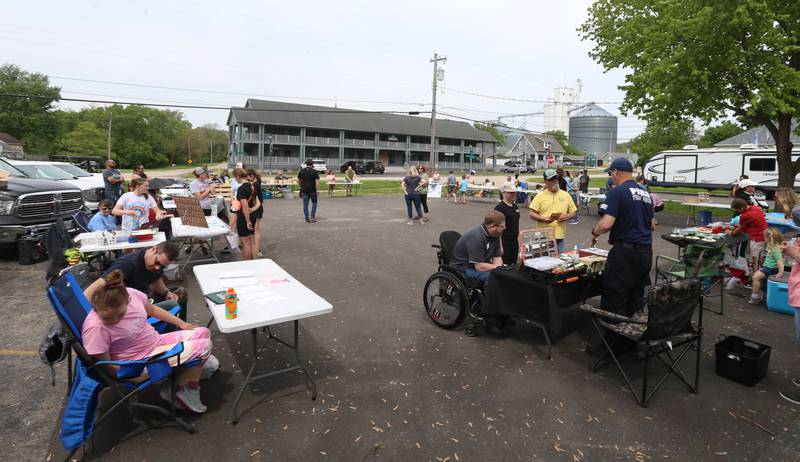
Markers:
358,54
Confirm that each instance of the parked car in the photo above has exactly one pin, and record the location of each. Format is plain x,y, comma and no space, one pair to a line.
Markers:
319,165
91,187
91,164
374,167
514,166
358,166
28,207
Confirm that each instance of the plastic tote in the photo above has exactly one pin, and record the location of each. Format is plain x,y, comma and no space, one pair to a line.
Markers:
742,360
778,294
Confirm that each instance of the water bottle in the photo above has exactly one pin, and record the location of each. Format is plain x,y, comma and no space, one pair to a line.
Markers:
575,254
231,304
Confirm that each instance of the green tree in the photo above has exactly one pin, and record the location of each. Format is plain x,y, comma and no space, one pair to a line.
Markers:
84,140
561,137
659,137
28,118
718,133
706,60
492,130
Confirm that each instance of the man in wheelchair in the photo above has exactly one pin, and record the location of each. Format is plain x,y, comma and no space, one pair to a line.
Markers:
479,251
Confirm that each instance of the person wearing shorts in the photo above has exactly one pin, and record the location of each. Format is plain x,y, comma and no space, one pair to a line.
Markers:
462,189
246,218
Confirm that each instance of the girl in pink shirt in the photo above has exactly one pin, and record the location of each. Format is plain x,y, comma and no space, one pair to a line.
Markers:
794,301
331,180
117,329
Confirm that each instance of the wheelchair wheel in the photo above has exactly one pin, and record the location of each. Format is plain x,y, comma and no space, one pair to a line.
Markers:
445,300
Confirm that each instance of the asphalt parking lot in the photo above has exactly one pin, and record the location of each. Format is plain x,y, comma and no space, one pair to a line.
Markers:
395,387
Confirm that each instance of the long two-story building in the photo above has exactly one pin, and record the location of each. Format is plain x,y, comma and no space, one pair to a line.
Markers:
276,135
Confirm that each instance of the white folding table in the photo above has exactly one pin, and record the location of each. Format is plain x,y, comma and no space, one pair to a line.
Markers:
124,245
284,299
190,234
704,205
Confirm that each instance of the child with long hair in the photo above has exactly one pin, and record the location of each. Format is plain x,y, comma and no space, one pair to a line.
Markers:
117,329
773,264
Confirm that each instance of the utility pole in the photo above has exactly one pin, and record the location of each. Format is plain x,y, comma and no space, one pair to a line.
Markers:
435,61
211,143
109,134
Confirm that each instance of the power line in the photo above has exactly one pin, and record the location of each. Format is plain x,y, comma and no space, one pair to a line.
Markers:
229,93
224,108
505,98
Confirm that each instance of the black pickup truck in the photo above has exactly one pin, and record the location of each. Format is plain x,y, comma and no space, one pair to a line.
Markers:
29,206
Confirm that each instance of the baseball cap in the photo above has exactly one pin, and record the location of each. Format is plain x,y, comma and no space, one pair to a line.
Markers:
620,163
746,183
508,187
550,173
199,171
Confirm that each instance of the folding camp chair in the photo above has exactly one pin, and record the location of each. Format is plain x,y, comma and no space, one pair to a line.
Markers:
666,332
697,261
71,308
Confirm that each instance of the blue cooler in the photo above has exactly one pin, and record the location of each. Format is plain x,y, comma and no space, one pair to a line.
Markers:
778,294
704,218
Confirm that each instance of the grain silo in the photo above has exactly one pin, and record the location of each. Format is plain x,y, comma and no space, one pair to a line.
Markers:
593,130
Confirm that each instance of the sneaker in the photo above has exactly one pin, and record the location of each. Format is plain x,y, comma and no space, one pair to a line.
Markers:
426,219
313,220
755,300
164,393
410,222
190,397
422,222
308,221
794,399
209,367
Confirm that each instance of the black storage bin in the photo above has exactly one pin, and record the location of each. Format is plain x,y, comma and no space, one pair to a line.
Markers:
30,252
742,360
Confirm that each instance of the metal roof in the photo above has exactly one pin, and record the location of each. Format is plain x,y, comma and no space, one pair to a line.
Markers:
303,115
593,110
759,135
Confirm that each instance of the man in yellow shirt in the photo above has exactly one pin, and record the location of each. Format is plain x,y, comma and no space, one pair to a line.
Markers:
553,207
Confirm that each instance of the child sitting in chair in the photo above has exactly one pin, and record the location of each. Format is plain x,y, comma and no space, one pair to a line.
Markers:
117,329
773,264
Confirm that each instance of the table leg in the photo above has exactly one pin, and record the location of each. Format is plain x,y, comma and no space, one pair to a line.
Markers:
254,341
249,378
691,216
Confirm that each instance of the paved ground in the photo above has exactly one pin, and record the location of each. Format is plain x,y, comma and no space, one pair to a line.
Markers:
395,387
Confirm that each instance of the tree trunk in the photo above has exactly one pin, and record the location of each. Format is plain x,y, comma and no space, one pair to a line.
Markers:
786,168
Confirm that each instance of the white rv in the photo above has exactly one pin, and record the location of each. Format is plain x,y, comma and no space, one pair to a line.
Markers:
714,167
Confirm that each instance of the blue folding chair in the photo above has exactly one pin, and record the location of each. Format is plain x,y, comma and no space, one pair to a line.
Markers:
91,376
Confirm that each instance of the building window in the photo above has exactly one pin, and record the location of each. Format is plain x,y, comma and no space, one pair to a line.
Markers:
762,165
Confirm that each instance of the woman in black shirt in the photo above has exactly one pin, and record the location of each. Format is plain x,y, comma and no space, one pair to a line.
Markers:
255,180
510,237
246,219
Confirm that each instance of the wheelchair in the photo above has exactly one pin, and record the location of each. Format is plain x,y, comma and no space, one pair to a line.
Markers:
449,296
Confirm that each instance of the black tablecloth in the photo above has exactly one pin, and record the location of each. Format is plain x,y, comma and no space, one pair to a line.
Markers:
727,241
518,294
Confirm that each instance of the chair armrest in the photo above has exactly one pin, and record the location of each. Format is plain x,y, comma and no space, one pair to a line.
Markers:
133,368
669,259
612,316
173,311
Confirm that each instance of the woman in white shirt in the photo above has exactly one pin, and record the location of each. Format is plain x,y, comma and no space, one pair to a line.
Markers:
134,206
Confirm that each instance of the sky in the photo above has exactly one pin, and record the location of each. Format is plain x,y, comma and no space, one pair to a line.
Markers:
372,55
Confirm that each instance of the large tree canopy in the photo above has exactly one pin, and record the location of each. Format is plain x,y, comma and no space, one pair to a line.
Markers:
29,119
705,59
659,137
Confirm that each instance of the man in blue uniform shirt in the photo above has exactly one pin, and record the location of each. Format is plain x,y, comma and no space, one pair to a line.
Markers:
628,215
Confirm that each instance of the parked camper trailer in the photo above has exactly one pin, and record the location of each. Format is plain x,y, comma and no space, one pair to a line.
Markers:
715,167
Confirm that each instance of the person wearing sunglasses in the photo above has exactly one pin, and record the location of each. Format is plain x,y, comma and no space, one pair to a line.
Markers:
103,220
143,271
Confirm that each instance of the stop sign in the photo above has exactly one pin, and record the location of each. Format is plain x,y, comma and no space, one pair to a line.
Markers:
550,159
